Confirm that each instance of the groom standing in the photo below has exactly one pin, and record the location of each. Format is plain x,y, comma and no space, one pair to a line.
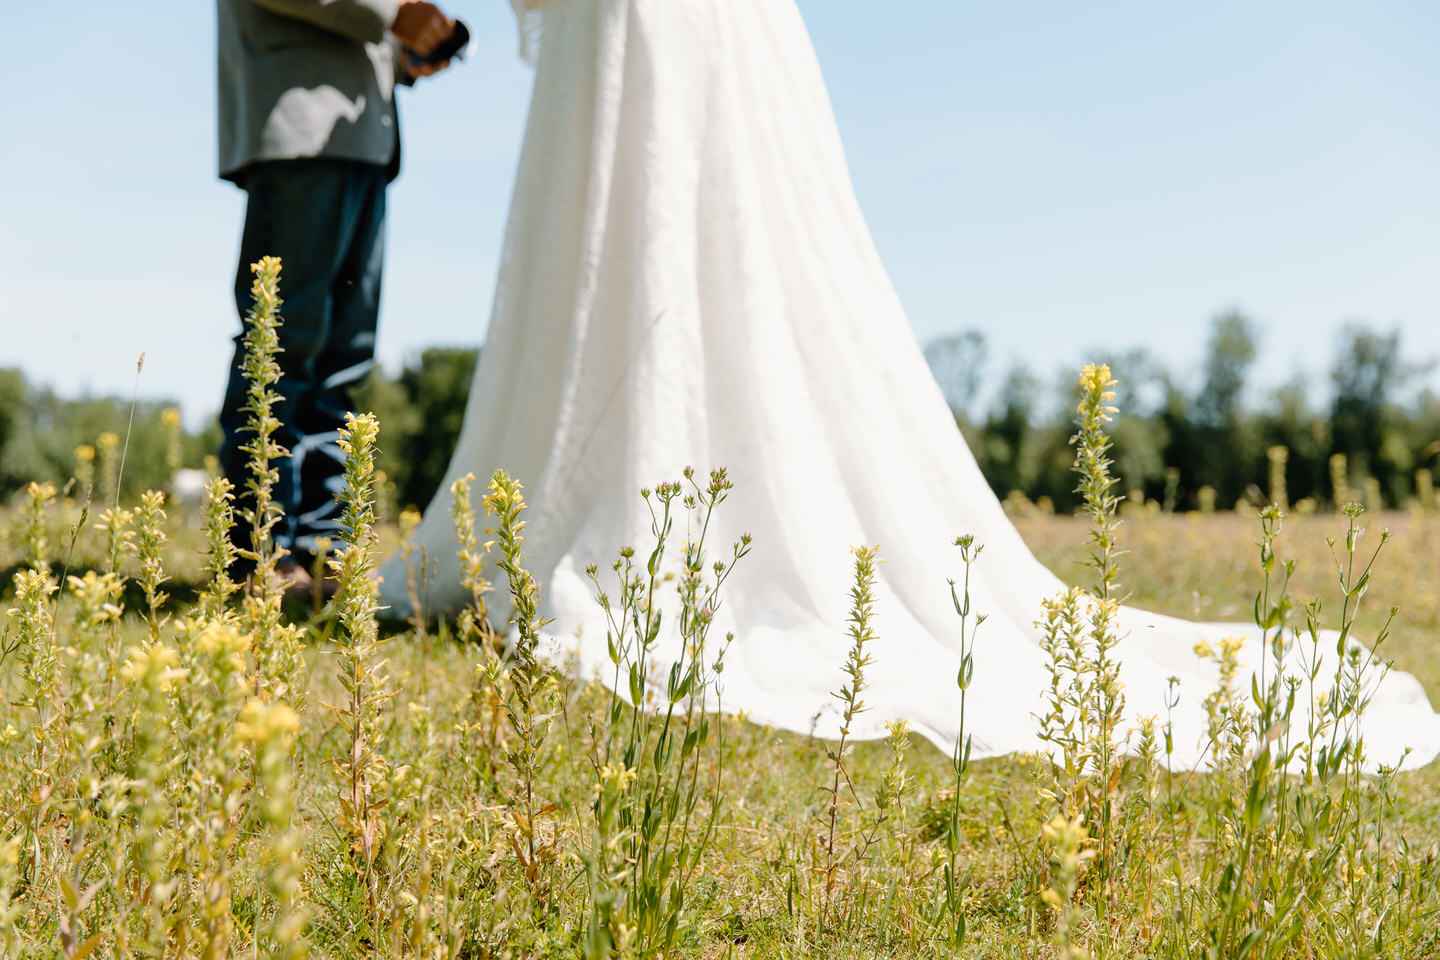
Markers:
308,129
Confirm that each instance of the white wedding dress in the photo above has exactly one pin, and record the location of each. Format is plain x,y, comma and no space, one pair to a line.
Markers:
688,280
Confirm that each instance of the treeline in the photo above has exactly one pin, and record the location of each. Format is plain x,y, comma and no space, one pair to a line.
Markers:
83,441
46,437
420,413
1370,431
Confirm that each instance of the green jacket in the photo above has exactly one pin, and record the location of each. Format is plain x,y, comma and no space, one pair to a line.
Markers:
307,78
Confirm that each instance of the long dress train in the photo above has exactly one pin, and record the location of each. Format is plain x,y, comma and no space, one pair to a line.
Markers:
688,280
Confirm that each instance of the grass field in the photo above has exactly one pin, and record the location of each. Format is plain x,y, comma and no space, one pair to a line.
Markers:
189,770
760,888
1206,566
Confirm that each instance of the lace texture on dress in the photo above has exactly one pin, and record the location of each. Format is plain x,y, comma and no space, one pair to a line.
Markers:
530,14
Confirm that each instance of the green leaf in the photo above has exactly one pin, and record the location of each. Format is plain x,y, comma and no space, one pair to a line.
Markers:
71,900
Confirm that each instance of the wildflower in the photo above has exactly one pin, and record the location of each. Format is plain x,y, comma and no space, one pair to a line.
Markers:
263,720
622,774
226,645
410,519
155,665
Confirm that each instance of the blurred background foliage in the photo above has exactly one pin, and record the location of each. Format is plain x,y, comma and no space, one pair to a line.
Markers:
47,437
420,414
1174,440
41,434
1184,445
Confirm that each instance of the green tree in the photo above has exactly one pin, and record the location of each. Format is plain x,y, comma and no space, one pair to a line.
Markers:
1288,420
20,458
1223,451
1229,356
40,431
1003,438
421,412
958,363
1365,419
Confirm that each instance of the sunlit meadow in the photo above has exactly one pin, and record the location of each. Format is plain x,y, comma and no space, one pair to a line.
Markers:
193,767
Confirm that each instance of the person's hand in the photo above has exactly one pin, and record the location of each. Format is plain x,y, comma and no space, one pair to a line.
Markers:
422,26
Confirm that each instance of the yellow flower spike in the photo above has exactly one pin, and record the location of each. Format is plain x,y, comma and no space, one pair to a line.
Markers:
155,665
409,520
222,637
262,720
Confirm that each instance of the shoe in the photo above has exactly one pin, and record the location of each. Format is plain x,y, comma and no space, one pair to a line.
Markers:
328,580
289,574
297,584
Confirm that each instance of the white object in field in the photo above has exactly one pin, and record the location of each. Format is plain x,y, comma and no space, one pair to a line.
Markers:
188,485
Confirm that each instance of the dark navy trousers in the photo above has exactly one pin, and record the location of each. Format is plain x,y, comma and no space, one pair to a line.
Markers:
325,219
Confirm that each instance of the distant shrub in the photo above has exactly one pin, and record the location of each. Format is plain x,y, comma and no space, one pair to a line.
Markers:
1173,442
41,432
422,409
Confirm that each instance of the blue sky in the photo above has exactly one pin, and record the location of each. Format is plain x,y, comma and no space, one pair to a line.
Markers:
1066,178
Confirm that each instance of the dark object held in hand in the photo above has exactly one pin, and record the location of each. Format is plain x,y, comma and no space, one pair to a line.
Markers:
448,50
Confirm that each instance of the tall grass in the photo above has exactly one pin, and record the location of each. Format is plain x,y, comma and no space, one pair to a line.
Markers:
173,785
